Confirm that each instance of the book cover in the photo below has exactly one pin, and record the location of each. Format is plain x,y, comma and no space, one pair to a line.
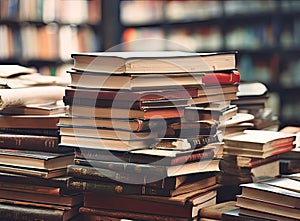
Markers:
35,159
122,124
273,194
31,142
185,207
216,78
216,211
123,113
60,181
267,207
154,62
260,139
132,82
100,213
31,213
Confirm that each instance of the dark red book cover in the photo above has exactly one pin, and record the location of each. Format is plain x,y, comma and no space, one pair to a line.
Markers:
221,78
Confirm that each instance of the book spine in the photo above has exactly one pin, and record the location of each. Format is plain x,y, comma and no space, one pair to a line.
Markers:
116,188
22,213
83,171
30,142
203,140
193,157
101,103
157,170
31,131
99,213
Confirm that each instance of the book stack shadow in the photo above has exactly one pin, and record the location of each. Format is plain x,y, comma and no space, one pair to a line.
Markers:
137,155
33,181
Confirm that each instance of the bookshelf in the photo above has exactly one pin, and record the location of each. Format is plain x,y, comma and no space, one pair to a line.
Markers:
265,32
43,33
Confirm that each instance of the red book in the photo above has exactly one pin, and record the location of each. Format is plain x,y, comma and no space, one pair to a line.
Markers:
221,78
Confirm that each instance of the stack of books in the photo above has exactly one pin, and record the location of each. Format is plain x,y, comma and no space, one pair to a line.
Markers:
252,156
253,99
276,199
133,147
33,166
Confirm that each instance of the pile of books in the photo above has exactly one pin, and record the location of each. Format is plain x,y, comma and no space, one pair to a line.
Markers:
33,166
276,199
252,156
253,99
138,154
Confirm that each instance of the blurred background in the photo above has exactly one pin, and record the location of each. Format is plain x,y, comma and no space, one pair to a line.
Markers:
266,33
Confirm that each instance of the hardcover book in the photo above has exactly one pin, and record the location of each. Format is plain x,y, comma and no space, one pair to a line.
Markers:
31,142
123,113
260,140
154,62
118,124
34,159
133,82
185,205
32,213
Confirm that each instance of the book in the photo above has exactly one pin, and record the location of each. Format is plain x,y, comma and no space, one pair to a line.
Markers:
31,213
285,183
209,113
269,193
35,189
153,159
268,207
33,172
206,99
153,171
185,206
30,95
154,62
175,185
93,80
98,214
160,171
34,159
260,139
36,109
105,133
103,143
63,200
15,70
31,131
215,78
250,152
147,156
127,95
234,215
216,211
136,125
136,105
264,216
29,121
60,181
31,142
186,129
122,113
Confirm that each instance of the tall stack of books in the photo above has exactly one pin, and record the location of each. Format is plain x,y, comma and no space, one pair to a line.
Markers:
33,166
252,156
134,151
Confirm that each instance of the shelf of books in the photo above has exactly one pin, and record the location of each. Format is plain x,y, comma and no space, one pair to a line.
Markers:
42,34
264,32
